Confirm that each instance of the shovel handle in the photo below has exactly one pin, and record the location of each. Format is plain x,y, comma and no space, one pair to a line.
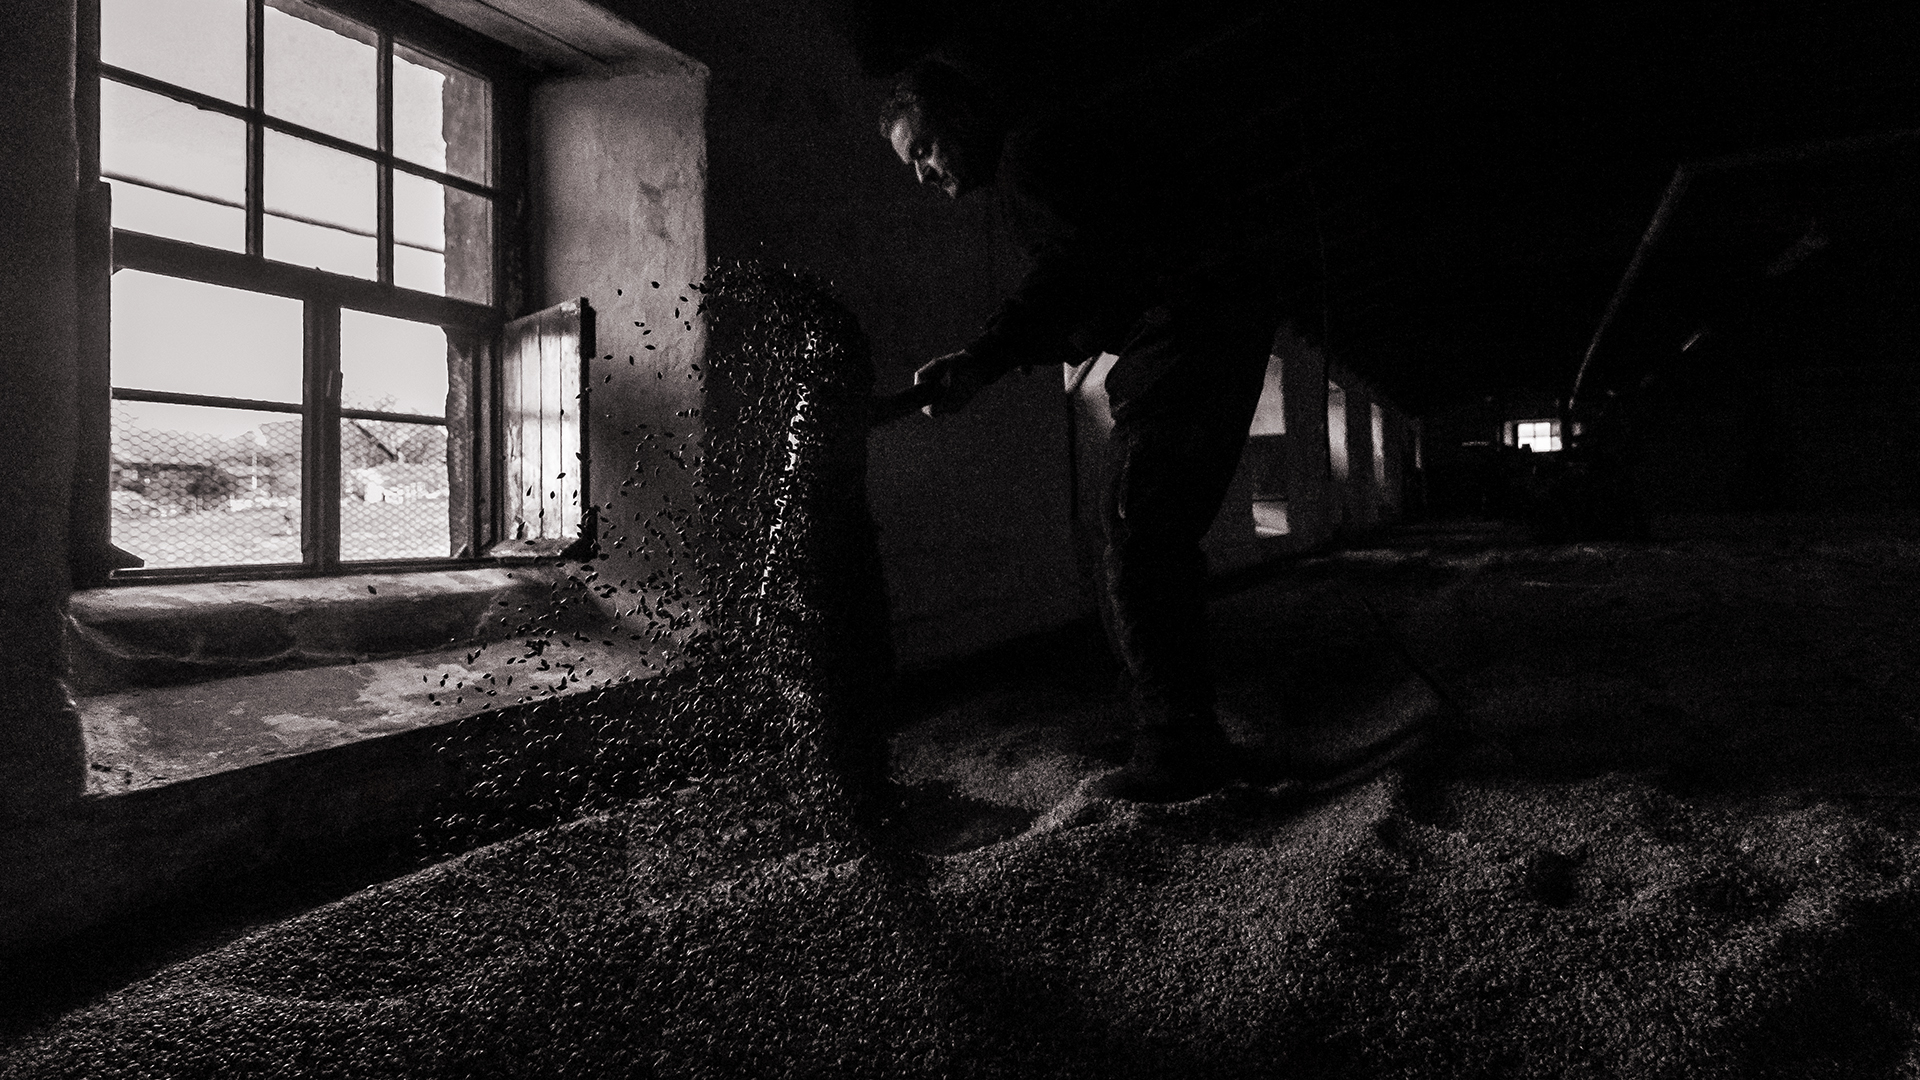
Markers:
890,407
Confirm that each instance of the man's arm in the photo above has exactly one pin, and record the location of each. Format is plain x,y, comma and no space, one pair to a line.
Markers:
1079,205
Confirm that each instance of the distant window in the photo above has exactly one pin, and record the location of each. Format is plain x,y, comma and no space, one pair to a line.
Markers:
1270,415
1270,517
1540,436
1379,446
1266,454
1337,431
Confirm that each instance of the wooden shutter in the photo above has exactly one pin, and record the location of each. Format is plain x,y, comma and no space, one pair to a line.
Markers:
543,432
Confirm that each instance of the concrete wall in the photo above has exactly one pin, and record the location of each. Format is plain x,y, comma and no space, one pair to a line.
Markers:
41,763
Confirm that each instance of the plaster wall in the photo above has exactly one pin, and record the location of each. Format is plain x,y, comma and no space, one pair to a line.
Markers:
41,763
619,179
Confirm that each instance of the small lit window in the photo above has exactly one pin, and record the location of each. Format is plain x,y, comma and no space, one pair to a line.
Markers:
1270,414
1540,436
1379,417
1337,431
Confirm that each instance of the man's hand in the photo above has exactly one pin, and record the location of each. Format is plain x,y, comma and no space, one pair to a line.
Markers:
958,377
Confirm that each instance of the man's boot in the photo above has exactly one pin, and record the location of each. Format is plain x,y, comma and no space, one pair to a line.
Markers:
1173,764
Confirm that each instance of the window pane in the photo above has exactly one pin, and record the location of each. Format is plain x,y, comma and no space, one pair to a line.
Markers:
394,491
1379,418
205,487
1270,414
192,338
319,70
1337,431
392,364
442,116
320,207
443,239
419,234
198,44
177,171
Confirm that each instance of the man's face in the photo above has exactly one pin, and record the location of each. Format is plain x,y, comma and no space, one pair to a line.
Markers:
938,157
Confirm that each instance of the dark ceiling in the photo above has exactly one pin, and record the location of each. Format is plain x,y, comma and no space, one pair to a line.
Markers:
1510,164
1472,178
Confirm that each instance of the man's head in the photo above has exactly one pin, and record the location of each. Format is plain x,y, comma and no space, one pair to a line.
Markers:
943,126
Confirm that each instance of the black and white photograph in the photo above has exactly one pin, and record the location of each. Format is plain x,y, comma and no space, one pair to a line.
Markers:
1000,539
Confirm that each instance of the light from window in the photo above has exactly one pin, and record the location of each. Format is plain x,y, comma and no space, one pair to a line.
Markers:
1540,436
1270,415
541,475
1337,431
1379,446
1270,517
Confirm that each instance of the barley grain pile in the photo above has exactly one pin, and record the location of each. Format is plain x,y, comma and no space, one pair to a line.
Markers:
1676,840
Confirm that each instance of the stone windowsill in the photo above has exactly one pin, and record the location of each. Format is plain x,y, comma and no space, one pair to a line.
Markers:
145,738
177,681
128,637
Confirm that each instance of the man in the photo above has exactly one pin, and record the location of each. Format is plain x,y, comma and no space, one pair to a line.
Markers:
1147,216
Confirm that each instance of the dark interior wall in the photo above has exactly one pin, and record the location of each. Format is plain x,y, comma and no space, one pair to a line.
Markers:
972,509
40,755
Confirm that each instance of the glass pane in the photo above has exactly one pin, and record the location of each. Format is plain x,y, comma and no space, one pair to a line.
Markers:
414,268
443,239
320,208
192,338
392,365
419,234
442,116
198,44
320,71
197,486
177,171
394,490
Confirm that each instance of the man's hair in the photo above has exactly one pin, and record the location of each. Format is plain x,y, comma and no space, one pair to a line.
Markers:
936,91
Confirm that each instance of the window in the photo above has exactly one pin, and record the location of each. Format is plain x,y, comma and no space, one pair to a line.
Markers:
1267,453
1337,431
310,210
1540,436
1379,417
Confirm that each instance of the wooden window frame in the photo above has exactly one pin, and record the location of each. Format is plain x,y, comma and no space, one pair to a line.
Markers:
473,329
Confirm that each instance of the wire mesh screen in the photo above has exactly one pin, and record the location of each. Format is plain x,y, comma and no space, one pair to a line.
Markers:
394,491
199,486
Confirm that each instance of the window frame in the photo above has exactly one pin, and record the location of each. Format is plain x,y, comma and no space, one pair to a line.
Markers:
472,328
1526,440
